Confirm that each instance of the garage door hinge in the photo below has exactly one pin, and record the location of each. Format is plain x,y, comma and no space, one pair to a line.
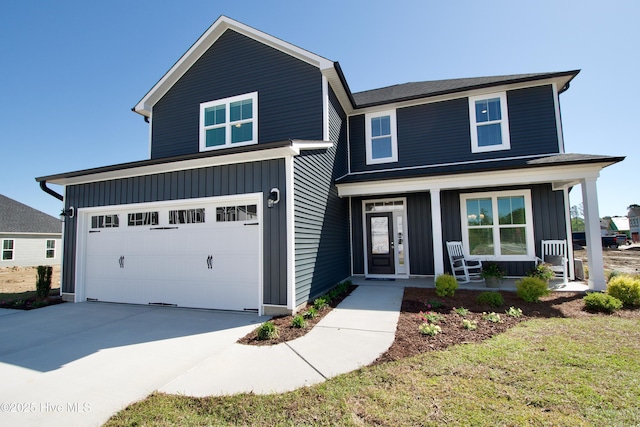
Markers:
251,223
163,228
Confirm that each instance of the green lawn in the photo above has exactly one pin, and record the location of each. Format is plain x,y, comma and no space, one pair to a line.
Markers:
564,372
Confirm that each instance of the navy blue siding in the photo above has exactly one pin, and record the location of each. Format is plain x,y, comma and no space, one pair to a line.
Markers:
357,230
321,217
289,95
549,221
438,133
195,183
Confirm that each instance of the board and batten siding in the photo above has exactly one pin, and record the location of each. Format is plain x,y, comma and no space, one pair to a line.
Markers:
289,95
548,221
211,181
439,133
321,218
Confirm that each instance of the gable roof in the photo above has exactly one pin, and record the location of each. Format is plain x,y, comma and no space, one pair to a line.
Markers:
16,217
415,90
329,69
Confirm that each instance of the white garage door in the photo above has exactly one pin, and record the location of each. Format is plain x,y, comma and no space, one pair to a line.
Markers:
203,254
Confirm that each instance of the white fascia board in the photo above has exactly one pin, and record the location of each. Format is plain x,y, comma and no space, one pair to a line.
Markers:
206,41
30,234
559,81
250,156
338,88
300,145
564,173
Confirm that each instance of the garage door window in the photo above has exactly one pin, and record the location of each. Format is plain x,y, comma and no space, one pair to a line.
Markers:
237,213
186,216
105,221
143,218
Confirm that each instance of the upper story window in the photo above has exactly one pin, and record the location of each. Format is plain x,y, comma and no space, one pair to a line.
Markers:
381,137
229,121
489,121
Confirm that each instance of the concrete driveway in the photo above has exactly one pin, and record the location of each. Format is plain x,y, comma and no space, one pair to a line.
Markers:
77,364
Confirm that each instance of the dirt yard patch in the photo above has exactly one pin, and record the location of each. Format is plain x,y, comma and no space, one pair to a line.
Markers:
625,259
23,279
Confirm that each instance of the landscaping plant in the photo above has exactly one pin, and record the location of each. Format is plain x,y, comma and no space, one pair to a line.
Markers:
470,325
542,271
429,329
514,312
531,289
599,301
461,311
446,285
625,288
320,303
298,322
311,313
491,317
430,317
43,281
268,331
493,299
434,303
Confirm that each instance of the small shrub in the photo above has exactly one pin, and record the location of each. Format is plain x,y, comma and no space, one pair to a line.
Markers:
599,301
531,289
470,325
434,303
514,312
446,285
493,299
626,289
43,281
429,329
461,311
333,294
343,287
491,269
612,274
268,331
320,303
310,313
430,317
298,322
491,317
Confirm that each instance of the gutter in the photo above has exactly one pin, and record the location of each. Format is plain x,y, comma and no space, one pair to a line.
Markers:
43,186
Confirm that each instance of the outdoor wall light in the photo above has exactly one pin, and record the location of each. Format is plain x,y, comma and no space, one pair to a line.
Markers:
67,213
274,197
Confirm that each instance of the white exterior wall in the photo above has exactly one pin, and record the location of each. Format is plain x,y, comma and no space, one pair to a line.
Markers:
31,250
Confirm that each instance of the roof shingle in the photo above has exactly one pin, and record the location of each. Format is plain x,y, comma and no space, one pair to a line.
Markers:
16,217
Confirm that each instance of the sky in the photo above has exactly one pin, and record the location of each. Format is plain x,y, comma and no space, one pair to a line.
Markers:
70,71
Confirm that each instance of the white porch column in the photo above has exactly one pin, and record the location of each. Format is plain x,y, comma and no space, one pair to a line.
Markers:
592,233
567,204
436,232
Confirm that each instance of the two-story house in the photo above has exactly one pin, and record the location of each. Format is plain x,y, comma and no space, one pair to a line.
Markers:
269,182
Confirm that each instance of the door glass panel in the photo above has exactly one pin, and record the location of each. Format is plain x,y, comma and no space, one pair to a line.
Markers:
379,235
400,241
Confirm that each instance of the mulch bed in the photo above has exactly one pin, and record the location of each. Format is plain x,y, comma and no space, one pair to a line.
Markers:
287,331
409,342
31,303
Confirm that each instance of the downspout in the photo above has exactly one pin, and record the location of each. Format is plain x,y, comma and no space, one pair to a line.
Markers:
43,186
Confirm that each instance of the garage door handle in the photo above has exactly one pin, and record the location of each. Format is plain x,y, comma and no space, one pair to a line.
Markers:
210,262
122,262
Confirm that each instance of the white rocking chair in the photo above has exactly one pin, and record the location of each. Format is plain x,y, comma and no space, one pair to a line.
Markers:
464,269
554,253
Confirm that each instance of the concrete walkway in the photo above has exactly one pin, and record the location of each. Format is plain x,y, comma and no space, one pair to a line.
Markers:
78,364
353,335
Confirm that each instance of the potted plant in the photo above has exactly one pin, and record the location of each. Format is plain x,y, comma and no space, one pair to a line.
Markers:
542,271
492,274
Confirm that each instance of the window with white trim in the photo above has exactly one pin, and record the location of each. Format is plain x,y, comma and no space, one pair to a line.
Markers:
381,137
51,249
7,249
489,121
229,121
498,225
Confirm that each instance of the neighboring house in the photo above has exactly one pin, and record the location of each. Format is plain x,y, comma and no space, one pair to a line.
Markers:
28,237
634,222
269,181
